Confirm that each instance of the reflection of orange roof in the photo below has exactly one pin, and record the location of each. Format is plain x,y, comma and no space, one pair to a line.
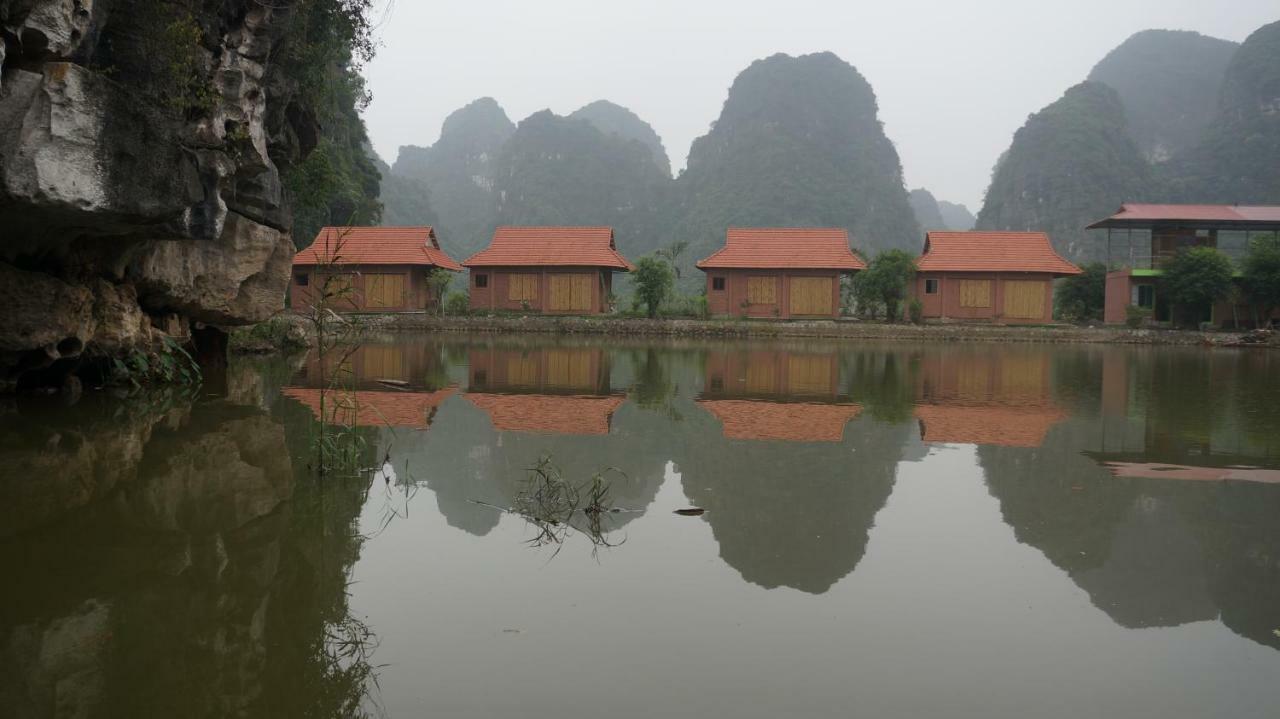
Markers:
567,246
791,422
785,248
1003,425
373,409
977,251
547,414
376,246
1160,470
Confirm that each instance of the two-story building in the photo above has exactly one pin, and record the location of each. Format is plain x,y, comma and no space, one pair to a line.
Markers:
1141,238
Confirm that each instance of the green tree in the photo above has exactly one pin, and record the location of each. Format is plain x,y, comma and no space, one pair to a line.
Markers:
672,254
885,281
1196,278
1083,296
653,281
1261,276
438,281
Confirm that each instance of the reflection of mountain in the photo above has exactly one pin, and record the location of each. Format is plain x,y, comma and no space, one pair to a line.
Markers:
1127,501
188,577
791,482
793,514
984,397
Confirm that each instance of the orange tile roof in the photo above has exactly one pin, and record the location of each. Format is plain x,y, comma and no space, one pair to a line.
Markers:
992,252
1003,425
548,414
551,246
372,408
1133,212
789,422
816,248
376,246
1160,470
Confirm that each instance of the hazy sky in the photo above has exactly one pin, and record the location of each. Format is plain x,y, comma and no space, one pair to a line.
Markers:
954,79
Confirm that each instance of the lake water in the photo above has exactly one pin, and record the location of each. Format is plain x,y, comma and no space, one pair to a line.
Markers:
888,531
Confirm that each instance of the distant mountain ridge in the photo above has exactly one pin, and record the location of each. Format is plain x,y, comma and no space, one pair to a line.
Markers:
614,119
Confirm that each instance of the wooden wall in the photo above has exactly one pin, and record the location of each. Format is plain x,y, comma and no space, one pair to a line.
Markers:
547,290
1012,297
780,294
375,288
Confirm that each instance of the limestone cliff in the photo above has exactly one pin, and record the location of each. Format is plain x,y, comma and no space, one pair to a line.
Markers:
141,147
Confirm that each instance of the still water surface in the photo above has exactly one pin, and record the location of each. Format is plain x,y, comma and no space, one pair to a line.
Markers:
889,531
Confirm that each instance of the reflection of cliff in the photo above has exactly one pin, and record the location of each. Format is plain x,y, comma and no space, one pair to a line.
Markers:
521,405
162,588
790,513
1149,551
985,397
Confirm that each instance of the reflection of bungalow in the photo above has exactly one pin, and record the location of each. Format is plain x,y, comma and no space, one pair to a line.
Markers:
1005,276
372,409
1142,238
583,370
374,269
1161,470
553,270
548,391
548,414
986,398
737,382
779,272
416,365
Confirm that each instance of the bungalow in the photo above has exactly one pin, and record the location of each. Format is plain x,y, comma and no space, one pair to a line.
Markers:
1142,238
552,270
385,268
1004,276
779,272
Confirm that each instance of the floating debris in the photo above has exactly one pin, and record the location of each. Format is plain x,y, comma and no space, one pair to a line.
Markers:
691,512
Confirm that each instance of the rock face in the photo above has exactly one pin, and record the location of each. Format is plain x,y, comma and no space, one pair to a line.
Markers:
613,119
137,180
798,143
1169,81
1070,164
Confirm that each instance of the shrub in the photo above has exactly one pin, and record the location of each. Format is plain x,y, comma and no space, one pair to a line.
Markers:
1196,278
457,303
1082,297
1261,277
885,281
915,308
653,279
1136,316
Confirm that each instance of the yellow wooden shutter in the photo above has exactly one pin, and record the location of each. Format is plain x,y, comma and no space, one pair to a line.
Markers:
975,293
762,290
1024,299
382,291
580,293
522,288
810,295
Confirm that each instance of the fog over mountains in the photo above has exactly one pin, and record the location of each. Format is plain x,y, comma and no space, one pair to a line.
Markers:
1165,116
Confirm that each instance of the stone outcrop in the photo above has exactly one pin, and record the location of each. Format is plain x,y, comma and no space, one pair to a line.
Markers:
140,190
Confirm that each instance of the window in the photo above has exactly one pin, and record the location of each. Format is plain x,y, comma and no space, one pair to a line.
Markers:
482,281
302,279
975,293
1146,296
522,288
931,287
717,283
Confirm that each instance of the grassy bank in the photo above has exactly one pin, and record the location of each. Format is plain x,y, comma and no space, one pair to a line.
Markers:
763,329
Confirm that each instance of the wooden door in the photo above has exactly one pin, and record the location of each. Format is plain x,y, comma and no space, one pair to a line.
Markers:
811,295
570,293
1024,299
975,293
383,291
